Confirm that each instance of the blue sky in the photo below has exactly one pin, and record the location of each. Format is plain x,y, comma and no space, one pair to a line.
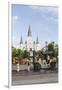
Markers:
42,19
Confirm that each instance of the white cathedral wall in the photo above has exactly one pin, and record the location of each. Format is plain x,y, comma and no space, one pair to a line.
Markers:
22,46
29,43
38,47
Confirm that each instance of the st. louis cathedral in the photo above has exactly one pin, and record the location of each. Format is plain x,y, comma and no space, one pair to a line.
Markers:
29,44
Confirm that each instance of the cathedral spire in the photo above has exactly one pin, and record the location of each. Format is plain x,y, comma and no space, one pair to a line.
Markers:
21,41
29,31
37,41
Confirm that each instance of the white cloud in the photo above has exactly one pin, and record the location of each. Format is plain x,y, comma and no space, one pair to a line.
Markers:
49,13
52,9
34,7
15,17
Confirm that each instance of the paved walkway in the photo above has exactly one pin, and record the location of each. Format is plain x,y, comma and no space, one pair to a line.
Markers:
22,78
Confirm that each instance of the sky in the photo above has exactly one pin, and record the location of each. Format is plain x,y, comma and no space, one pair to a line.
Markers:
43,21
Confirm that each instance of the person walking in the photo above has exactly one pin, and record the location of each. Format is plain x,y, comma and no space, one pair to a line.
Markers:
18,68
28,67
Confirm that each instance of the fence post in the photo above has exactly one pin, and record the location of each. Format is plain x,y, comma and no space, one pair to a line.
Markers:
18,67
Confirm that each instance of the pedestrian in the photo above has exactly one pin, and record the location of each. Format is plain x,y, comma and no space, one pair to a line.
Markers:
28,67
48,59
18,68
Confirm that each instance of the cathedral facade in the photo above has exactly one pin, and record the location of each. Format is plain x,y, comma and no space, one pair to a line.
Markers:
29,44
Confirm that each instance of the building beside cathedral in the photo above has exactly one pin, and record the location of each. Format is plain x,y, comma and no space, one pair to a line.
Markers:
29,44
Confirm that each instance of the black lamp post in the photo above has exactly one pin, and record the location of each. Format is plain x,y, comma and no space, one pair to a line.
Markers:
46,50
32,55
33,58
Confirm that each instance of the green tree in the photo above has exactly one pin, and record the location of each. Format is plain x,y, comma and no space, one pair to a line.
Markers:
25,53
19,52
51,46
14,51
54,48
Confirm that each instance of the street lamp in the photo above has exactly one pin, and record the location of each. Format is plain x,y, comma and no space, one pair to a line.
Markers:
46,50
33,58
